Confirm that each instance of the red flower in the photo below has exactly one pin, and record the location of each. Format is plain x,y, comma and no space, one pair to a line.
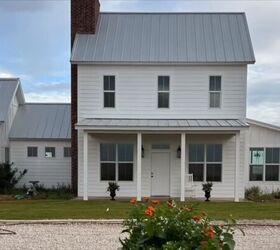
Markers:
150,211
155,202
210,233
133,201
197,218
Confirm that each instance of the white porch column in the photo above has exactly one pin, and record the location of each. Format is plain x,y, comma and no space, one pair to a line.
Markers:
139,165
237,166
85,156
183,165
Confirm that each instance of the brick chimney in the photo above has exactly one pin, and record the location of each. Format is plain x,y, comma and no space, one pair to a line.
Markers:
84,17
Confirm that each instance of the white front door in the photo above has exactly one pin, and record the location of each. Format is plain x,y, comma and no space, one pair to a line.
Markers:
160,174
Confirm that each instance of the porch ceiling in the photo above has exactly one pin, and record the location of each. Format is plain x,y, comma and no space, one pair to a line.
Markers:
160,124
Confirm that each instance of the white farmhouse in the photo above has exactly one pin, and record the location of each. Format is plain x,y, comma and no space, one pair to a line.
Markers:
160,103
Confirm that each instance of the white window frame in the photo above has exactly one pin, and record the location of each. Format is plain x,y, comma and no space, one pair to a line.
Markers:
116,162
66,148
109,91
264,165
215,92
163,91
50,157
32,155
205,162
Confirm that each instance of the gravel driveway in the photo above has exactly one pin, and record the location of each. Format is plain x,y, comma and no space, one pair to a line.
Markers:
105,236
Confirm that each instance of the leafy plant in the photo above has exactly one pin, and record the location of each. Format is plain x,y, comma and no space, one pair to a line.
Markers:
9,177
171,227
112,188
207,186
254,193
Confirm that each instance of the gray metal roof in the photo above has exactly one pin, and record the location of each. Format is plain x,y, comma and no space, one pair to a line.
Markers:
143,124
8,88
42,121
162,38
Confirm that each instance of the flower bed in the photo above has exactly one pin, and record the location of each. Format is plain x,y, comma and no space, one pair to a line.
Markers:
168,226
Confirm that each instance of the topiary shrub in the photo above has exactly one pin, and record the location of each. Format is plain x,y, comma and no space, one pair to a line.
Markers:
9,177
171,227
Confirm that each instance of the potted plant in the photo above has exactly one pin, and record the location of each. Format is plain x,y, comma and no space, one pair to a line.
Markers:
207,188
112,188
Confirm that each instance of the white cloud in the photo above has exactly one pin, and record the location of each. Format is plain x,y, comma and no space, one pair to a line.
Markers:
266,112
48,97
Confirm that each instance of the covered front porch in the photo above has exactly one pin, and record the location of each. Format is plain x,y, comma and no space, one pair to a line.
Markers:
161,162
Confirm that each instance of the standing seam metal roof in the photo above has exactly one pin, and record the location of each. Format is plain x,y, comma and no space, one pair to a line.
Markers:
42,121
160,123
8,88
162,38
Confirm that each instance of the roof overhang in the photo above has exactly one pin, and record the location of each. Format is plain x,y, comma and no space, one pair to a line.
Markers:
161,125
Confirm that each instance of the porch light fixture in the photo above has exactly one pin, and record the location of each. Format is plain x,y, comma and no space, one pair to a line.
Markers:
179,152
142,152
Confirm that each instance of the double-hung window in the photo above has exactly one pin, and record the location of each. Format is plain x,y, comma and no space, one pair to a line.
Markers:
215,87
163,91
109,91
67,152
32,151
116,162
256,164
205,162
272,164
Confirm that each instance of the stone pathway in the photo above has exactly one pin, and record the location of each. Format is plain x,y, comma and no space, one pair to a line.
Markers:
105,236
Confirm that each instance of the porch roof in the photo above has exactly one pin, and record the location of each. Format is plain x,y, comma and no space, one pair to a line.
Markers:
160,124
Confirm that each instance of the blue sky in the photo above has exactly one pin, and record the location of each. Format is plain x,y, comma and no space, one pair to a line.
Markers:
35,46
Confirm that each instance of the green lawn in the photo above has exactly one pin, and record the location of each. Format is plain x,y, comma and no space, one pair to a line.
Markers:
96,209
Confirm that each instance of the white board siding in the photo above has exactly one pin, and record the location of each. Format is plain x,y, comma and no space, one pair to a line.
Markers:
136,92
49,171
6,127
97,188
259,136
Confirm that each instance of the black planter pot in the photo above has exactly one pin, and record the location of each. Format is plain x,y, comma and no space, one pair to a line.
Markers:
207,195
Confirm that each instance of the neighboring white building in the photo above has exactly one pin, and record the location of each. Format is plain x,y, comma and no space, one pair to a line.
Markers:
162,100
35,136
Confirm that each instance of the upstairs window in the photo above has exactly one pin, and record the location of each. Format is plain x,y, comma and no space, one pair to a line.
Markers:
109,91
49,152
215,86
163,92
32,151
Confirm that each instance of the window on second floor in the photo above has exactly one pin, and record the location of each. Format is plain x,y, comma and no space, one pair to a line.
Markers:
49,152
163,92
215,87
109,91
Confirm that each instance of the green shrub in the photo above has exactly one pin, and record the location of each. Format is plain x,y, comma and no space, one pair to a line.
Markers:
256,194
171,227
9,177
61,191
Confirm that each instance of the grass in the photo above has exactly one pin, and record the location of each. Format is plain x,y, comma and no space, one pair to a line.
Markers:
96,209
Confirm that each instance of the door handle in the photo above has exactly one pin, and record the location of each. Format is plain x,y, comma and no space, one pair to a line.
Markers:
152,175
